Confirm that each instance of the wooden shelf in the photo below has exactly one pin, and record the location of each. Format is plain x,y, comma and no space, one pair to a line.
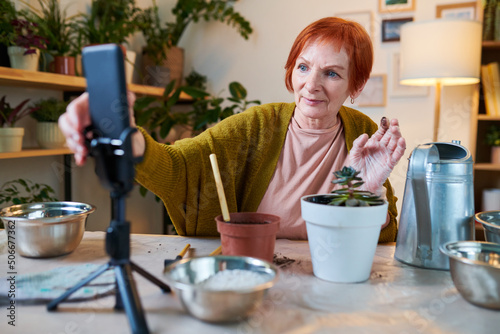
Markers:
483,117
487,166
491,44
35,152
45,80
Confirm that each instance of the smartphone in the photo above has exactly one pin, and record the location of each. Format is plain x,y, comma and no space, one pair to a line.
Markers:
103,67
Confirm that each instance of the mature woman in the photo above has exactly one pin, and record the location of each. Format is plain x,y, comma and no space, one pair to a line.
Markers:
272,155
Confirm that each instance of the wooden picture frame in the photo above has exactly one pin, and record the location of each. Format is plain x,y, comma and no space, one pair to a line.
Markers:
391,29
366,18
394,6
374,93
399,90
465,10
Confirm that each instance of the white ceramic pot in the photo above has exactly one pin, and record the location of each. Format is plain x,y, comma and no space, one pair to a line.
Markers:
48,135
11,139
342,240
23,62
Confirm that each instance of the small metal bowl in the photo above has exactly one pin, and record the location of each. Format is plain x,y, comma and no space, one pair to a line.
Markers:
475,270
46,229
491,224
186,277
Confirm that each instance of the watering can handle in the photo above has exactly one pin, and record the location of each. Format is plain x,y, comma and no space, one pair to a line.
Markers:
421,157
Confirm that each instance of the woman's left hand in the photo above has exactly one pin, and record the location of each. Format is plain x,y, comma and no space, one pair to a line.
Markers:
376,157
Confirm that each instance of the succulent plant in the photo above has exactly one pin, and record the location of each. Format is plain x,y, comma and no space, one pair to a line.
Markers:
348,195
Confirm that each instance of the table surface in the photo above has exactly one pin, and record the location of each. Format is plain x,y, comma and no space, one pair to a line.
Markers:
396,299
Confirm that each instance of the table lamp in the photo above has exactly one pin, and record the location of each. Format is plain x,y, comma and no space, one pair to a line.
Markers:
440,52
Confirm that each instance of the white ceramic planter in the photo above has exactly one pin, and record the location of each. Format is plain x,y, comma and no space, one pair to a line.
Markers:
342,240
23,62
48,135
11,139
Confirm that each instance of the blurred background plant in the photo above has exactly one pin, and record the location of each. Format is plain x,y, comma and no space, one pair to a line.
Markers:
20,191
48,110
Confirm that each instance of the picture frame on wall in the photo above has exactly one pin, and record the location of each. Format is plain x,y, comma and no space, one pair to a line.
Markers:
375,92
398,90
391,29
394,6
465,10
366,18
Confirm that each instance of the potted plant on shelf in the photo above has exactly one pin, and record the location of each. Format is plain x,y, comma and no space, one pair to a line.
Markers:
493,140
11,137
46,113
343,229
23,41
109,21
20,191
163,59
57,29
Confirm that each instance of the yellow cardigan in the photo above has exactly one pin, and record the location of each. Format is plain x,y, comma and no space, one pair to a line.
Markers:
247,146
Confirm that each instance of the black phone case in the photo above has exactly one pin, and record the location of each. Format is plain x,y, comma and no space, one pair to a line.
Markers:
103,67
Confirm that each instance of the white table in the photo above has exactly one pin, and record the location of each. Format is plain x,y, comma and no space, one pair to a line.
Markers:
396,299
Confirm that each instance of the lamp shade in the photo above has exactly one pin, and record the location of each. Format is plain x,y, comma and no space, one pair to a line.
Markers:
440,51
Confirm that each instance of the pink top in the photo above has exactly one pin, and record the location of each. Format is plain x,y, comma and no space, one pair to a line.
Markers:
305,167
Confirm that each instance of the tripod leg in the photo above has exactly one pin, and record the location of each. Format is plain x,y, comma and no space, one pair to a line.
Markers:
130,299
53,303
151,278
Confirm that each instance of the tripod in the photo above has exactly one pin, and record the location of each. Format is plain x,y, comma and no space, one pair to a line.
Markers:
116,153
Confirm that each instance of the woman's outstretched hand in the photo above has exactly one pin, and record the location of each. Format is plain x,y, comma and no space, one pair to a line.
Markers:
77,118
376,157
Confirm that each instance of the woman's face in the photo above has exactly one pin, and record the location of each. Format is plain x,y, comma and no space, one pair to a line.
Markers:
320,82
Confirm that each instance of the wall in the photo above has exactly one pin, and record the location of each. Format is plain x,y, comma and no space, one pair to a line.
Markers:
217,51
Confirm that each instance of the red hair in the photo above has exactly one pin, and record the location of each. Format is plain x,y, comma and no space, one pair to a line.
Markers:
341,33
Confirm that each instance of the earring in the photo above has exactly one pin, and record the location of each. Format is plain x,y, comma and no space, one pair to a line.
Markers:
352,100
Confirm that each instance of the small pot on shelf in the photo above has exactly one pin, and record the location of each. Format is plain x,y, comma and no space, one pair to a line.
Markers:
22,61
11,139
495,154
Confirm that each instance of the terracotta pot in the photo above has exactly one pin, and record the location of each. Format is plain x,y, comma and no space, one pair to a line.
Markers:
63,65
249,234
172,68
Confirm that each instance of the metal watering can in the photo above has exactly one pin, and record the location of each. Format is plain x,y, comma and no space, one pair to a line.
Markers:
438,204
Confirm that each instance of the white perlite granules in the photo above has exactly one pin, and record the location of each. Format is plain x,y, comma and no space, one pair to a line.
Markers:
236,279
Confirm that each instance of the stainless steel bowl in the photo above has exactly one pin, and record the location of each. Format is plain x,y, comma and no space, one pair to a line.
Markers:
46,229
475,270
186,278
491,224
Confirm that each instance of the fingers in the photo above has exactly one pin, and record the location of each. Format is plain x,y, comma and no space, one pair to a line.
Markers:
382,129
131,101
72,124
399,150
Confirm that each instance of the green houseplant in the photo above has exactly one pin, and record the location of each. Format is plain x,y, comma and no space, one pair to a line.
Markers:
158,116
343,233
109,21
20,191
46,113
56,27
162,40
11,137
21,36
7,14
